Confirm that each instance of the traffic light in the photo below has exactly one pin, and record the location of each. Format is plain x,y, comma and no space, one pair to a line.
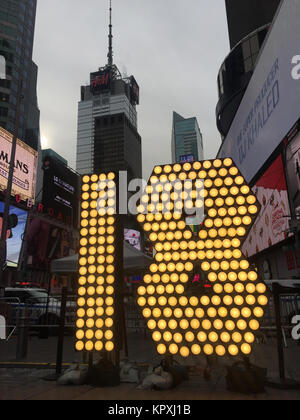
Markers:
221,317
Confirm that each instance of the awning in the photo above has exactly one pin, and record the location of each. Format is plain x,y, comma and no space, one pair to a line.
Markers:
133,260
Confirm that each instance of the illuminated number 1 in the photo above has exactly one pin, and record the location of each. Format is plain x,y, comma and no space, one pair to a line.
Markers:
96,329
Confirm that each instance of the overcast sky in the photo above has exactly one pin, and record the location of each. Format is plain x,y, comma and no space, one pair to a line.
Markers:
174,48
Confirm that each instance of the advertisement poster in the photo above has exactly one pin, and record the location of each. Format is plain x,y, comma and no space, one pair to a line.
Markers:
293,173
273,220
17,224
60,191
46,243
24,180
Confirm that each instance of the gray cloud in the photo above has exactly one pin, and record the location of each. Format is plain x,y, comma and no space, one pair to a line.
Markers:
174,48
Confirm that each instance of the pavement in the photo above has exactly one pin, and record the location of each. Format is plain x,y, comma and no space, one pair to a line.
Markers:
29,384
24,384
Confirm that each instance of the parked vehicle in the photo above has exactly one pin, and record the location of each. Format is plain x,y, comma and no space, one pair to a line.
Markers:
43,310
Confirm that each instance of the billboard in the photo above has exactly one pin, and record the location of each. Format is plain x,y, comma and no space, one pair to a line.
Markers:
133,237
60,191
135,91
273,222
16,228
46,243
100,81
271,104
24,180
293,172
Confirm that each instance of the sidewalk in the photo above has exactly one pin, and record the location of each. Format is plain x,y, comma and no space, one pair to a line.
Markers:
22,384
28,385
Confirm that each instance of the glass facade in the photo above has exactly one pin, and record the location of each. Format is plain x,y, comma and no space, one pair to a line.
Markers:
17,23
187,142
234,77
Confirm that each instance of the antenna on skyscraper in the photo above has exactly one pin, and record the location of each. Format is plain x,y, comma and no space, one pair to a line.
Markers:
110,37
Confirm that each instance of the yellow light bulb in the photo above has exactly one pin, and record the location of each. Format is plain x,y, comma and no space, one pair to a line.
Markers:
161,349
233,350
236,337
195,324
230,325
89,346
189,337
208,349
263,300
246,349
213,337
206,324
225,337
202,337
242,325
196,349
173,324
258,312
220,351
254,325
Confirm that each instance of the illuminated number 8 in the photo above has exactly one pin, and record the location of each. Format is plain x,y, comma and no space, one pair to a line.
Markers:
201,295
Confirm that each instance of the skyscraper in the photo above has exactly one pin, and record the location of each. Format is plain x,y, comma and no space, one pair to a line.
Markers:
17,24
248,25
187,142
108,137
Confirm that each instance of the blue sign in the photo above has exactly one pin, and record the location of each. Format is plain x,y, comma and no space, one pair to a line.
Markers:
187,159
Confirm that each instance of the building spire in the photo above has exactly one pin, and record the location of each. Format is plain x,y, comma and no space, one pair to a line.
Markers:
110,38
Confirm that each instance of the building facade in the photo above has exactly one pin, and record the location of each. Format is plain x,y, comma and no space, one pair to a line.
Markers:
264,142
17,25
246,16
108,136
187,141
249,22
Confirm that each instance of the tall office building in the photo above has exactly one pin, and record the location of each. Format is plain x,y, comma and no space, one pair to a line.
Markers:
17,24
108,136
248,25
187,141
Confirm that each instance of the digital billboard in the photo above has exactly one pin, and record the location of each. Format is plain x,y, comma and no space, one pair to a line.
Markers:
25,172
60,190
273,222
16,228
